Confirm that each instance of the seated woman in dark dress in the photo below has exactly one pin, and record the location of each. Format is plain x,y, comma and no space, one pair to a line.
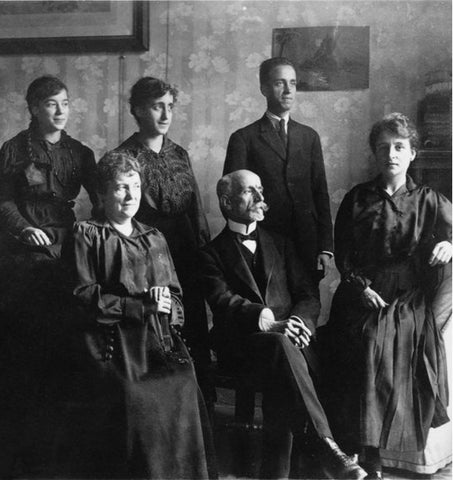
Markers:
41,172
171,202
138,411
386,355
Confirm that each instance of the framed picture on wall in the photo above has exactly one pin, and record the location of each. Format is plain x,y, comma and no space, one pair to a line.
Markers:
59,26
326,58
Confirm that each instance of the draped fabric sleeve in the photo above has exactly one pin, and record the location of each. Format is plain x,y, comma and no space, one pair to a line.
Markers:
443,219
434,222
89,177
197,216
177,316
177,311
442,275
345,246
105,305
11,220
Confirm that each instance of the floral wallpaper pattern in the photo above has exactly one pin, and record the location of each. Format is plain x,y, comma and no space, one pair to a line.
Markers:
212,50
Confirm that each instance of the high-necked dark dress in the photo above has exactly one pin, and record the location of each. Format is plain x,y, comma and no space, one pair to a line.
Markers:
388,384
38,184
171,203
135,411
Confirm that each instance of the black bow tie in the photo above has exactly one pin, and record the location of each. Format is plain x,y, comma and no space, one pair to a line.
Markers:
251,236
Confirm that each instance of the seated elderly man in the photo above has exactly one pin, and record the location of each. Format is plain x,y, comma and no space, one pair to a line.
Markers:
265,313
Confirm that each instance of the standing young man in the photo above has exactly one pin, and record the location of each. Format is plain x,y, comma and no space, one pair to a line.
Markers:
287,156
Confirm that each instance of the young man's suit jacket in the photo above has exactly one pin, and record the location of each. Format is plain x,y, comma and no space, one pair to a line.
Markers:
294,182
235,298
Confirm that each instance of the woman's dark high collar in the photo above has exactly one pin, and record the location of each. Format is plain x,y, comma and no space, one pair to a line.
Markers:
379,182
138,227
38,137
135,144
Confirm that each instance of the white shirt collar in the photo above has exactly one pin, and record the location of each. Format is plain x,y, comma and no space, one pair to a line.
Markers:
241,227
276,118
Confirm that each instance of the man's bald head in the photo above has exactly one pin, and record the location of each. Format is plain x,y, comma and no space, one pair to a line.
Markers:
240,196
231,181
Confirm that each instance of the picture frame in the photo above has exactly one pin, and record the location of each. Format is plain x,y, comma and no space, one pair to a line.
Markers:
326,58
32,27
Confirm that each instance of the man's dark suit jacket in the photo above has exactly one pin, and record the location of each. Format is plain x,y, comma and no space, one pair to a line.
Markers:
294,182
235,299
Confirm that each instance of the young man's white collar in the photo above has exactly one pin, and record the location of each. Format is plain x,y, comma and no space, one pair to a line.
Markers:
275,119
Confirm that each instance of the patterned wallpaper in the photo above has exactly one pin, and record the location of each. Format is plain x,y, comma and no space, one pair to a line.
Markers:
211,50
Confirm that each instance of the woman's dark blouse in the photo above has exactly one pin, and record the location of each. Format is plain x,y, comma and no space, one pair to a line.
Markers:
114,271
374,229
40,180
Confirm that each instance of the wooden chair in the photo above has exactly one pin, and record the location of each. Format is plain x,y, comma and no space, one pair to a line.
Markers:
244,410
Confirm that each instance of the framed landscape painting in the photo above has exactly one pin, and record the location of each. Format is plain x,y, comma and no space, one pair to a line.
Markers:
326,58
59,26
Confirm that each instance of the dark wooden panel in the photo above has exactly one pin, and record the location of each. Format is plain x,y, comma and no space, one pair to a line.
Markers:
433,168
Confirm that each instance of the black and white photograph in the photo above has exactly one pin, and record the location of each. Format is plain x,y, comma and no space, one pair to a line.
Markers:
225,239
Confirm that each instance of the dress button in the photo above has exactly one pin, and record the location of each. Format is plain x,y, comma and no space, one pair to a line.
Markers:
110,348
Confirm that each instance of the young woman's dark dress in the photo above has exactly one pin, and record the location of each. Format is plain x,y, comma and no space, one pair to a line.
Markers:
38,184
171,203
389,382
39,181
137,409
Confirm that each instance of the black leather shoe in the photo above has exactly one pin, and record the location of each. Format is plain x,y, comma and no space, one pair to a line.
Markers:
336,464
377,475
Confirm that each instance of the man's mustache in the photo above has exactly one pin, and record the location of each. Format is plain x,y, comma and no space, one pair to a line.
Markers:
263,205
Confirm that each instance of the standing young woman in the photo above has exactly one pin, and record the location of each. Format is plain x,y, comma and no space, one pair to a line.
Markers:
171,202
41,172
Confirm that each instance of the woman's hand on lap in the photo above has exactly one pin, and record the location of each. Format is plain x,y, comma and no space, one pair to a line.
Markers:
161,298
34,236
441,254
372,299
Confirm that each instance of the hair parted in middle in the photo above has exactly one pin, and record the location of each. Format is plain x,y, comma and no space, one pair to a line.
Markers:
147,89
111,166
